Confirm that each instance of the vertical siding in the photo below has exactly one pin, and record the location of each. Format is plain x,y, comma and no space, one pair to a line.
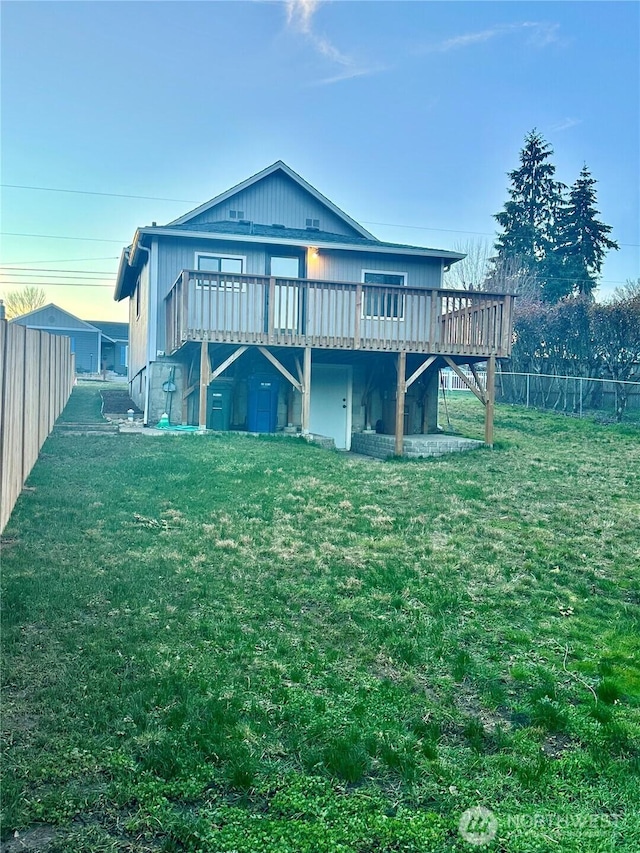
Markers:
175,255
85,346
348,266
278,199
138,325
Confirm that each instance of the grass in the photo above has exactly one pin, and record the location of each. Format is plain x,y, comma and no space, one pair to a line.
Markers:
84,405
226,643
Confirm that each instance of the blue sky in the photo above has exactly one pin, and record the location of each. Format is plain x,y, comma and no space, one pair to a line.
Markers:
402,113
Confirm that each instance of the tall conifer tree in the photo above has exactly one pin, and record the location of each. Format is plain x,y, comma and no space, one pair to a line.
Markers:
583,239
529,217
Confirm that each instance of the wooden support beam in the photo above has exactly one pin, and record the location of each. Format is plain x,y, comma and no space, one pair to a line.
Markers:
478,382
491,397
205,369
227,363
299,370
283,370
290,406
418,373
472,387
190,390
400,392
306,391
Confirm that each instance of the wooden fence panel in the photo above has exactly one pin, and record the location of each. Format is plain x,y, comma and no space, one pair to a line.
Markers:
36,378
3,361
31,402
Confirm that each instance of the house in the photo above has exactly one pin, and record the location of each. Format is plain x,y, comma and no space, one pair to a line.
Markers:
115,345
268,308
98,345
85,338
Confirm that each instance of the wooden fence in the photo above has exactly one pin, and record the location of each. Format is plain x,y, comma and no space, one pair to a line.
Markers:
36,377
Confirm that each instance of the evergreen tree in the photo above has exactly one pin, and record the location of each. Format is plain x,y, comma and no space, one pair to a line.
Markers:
583,240
529,218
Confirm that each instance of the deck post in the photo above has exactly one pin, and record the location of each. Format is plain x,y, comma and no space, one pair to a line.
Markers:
205,370
490,396
306,390
400,392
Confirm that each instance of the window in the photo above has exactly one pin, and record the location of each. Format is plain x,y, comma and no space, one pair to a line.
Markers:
313,223
124,355
285,267
380,302
233,264
236,214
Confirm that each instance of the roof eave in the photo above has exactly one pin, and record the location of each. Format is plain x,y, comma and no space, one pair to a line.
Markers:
378,248
128,268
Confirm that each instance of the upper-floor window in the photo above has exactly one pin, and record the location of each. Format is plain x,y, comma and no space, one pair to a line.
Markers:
221,263
380,302
236,214
313,223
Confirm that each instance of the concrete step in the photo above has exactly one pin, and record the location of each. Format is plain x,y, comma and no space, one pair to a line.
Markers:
95,428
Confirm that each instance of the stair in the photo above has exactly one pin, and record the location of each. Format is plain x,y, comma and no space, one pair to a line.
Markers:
91,428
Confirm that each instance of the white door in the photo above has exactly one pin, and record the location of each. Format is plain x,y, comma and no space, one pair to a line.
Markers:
330,404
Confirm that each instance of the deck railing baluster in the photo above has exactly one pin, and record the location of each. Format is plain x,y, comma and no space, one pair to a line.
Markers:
340,315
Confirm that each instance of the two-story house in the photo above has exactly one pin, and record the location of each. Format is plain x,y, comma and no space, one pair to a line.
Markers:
269,308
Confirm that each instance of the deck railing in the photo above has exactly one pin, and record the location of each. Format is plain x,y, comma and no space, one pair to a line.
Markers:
271,311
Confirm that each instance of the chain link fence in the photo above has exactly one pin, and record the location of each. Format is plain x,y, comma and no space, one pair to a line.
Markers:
575,395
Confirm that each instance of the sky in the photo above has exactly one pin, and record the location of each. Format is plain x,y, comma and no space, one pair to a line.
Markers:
407,115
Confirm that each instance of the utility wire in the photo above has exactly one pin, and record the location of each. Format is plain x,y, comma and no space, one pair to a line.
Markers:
30,271
61,261
58,284
193,201
70,277
60,237
90,192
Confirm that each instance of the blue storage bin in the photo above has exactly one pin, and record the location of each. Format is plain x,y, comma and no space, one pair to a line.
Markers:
262,401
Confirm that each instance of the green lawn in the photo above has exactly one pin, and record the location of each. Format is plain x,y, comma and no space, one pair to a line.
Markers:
224,643
84,405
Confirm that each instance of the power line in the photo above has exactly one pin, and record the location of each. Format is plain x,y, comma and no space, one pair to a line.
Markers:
91,192
60,237
51,269
70,277
451,230
62,261
56,284
193,201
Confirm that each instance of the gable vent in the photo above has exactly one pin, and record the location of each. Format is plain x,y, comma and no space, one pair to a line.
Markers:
313,224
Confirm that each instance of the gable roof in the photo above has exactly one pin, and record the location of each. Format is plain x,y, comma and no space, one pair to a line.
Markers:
45,325
278,166
113,330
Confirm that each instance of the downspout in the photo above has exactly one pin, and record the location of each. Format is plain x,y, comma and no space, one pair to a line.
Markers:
145,416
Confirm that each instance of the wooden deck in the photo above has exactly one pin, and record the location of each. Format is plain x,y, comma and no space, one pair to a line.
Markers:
268,311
